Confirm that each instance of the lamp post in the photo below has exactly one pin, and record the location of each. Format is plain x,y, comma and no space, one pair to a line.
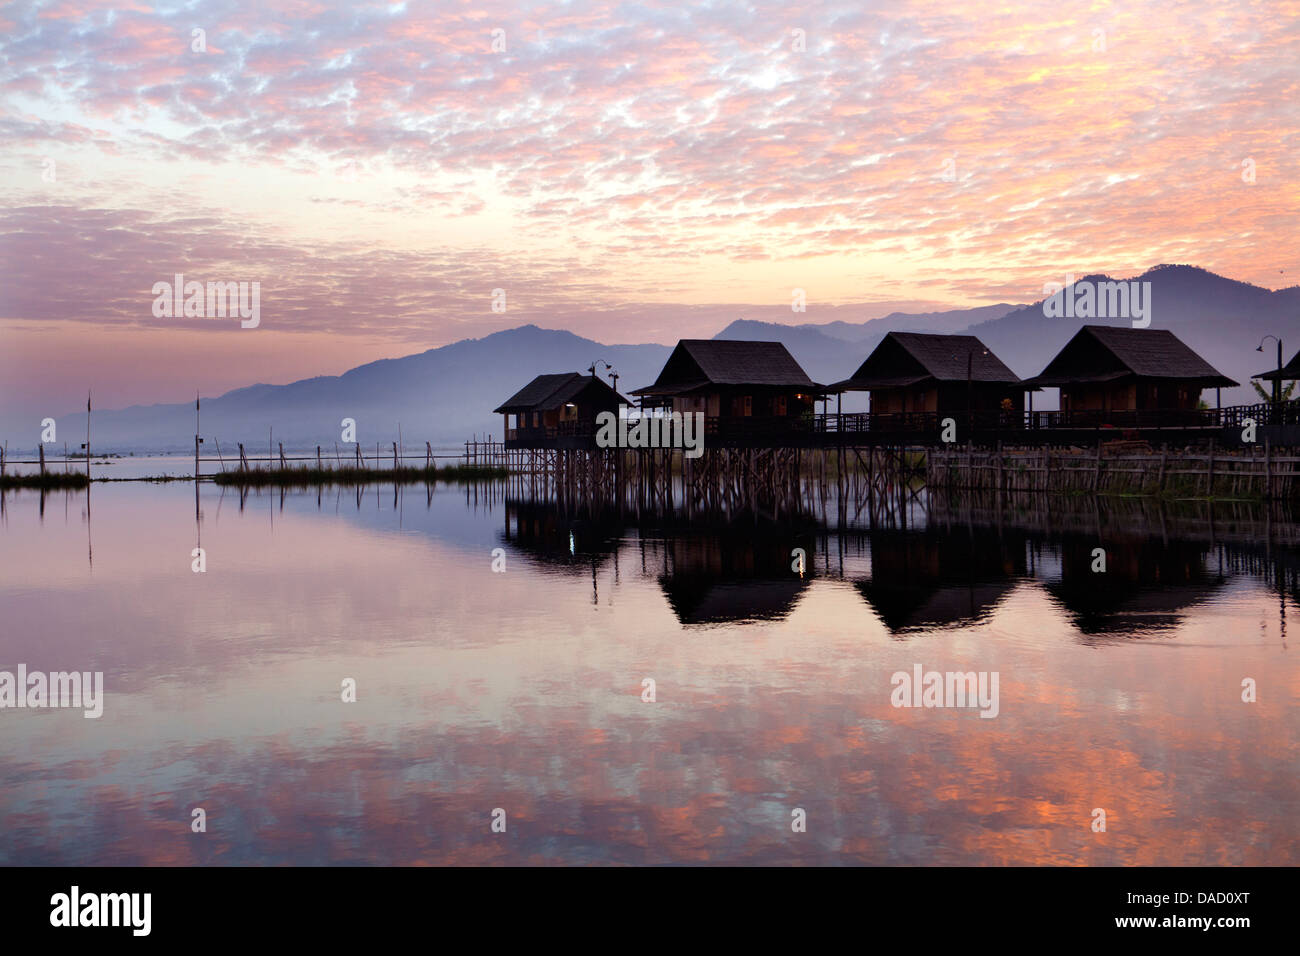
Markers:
609,368
1277,382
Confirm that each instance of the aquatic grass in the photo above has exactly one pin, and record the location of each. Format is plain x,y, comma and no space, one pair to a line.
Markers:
49,481
307,476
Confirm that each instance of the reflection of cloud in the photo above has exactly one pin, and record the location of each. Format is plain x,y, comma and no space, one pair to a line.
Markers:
710,777
481,690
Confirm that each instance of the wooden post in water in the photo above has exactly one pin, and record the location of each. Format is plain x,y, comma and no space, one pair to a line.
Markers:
428,455
1209,474
1268,470
197,439
41,448
243,459
282,462
319,466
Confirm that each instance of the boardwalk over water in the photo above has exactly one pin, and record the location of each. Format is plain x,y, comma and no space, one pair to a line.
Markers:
1280,424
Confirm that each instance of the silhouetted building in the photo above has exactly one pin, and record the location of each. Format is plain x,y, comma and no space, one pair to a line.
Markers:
921,372
1105,369
730,378
556,406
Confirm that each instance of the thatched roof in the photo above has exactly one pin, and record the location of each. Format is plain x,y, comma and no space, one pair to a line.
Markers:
548,392
909,358
699,363
1104,353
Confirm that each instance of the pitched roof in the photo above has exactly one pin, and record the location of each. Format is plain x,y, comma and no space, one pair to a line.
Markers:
699,362
1290,371
939,357
547,392
1144,353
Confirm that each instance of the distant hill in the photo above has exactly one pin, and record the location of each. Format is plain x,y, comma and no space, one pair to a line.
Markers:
1220,318
954,320
834,350
447,394
443,395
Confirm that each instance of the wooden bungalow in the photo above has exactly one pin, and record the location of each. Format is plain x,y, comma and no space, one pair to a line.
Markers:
923,372
557,406
731,378
1114,369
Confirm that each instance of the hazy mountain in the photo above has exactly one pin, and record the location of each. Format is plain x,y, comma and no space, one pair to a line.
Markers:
833,350
1221,319
824,358
447,394
443,395
954,320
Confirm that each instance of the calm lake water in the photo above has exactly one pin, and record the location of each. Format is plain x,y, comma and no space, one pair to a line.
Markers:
522,690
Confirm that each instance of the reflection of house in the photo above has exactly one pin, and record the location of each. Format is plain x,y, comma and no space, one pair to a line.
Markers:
724,578
1108,369
556,540
919,372
928,580
1148,584
723,377
556,406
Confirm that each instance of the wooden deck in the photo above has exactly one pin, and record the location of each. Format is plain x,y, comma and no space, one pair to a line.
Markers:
1280,424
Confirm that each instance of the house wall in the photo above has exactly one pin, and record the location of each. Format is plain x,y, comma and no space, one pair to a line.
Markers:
1146,395
981,396
893,401
753,402
946,397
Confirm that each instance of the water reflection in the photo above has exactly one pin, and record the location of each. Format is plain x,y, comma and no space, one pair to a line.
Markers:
522,689
727,576
1147,586
928,578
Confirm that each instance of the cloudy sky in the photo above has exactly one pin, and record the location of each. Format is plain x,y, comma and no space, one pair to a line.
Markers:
381,168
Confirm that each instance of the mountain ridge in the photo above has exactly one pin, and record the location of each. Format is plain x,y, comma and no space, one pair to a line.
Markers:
446,394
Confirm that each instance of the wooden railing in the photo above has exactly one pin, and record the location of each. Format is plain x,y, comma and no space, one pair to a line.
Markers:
753,428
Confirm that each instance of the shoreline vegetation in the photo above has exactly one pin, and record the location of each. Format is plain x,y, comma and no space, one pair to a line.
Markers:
48,481
310,475
301,477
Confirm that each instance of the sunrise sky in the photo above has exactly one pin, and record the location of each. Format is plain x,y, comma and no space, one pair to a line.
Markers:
379,169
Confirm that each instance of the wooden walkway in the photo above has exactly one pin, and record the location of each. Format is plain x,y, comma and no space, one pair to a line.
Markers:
1120,468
